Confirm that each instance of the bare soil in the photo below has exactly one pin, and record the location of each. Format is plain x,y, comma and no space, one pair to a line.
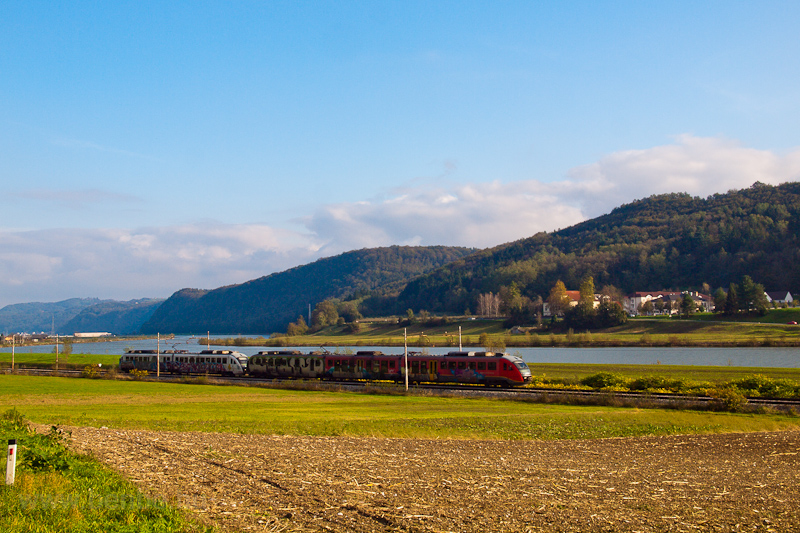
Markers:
729,482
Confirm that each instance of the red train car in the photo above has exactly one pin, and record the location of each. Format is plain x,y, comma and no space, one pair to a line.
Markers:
479,368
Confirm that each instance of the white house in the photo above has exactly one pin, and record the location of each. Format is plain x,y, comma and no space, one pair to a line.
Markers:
780,297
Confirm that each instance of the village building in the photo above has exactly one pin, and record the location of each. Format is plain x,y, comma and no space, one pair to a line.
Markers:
665,302
779,297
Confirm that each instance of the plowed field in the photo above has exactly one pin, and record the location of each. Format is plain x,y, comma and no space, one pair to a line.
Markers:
727,482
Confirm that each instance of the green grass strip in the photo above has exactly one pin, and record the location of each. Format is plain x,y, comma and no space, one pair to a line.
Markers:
251,410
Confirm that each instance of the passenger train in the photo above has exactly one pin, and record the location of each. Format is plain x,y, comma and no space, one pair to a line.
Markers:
223,362
479,368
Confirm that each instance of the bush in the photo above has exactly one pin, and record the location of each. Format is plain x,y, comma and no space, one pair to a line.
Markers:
91,371
603,380
760,385
727,399
36,452
652,383
138,375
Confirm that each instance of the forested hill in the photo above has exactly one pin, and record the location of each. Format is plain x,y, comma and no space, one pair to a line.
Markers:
666,241
119,318
268,304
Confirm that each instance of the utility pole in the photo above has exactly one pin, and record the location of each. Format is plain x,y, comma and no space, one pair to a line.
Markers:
460,349
158,357
13,342
56,352
405,355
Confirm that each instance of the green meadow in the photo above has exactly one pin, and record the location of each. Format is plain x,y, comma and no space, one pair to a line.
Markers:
203,407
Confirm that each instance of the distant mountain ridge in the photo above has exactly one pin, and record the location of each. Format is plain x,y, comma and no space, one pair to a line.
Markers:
76,315
267,304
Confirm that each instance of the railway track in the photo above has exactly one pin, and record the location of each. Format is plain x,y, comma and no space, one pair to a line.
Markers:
522,394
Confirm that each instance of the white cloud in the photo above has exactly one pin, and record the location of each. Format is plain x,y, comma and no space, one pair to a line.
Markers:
700,166
51,265
487,214
151,262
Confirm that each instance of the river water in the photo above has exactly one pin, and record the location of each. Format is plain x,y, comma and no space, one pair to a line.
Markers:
742,357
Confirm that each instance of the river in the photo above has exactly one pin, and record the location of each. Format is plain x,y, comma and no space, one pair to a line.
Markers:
741,357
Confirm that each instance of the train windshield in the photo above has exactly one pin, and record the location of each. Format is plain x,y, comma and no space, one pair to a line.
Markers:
522,366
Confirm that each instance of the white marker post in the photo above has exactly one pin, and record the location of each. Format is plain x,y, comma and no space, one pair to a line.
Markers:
158,356
11,465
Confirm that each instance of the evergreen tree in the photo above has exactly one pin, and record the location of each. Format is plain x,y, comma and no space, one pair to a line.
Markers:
747,294
687,305
732,300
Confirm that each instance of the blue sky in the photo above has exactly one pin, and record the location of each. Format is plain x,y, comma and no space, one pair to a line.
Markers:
146,147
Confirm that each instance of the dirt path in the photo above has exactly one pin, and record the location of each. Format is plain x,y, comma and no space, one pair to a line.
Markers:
734,482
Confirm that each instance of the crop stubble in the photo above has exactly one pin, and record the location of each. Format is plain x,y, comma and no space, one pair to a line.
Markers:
725,482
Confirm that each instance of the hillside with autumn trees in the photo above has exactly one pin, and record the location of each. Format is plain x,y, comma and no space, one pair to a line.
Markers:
670,241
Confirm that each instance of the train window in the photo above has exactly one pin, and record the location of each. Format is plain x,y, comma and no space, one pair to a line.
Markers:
481,365
384,366
505,366
415,367
462,365
391,365
472,365
492,366
317,362
453,365
423,367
